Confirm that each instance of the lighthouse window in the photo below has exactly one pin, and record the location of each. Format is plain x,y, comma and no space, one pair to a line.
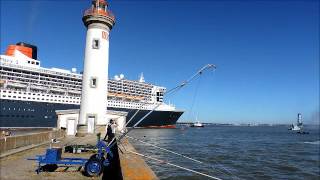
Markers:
95,44
93,82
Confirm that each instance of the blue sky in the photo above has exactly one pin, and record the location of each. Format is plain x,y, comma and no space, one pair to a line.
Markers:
267,52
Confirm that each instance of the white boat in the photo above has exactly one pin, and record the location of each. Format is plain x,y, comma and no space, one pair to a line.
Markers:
294,127
197,124
299,125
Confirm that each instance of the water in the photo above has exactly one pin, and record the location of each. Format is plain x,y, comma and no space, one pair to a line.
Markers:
234,152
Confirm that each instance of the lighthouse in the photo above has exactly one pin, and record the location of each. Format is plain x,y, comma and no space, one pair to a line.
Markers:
99,22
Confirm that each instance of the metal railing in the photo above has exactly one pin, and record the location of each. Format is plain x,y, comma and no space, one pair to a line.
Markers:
100,12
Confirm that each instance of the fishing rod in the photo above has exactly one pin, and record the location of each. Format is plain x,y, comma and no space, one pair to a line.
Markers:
199,72
184,83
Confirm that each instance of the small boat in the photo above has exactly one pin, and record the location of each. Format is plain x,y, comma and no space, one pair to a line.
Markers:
294,127
197,124
298,126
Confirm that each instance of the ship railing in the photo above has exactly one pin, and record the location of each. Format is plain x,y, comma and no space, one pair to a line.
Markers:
39,70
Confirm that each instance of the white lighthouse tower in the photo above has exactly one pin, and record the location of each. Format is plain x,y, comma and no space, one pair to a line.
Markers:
99,21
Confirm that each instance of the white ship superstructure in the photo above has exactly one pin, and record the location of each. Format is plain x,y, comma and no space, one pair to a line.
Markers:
23,79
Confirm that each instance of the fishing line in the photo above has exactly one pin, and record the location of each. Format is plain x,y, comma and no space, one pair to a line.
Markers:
187,157
198,73
177,166
173,90
194,98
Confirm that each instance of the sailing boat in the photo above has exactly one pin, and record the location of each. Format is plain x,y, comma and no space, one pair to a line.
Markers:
298,126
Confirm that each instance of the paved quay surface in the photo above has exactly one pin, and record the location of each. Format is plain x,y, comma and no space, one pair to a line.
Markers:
16,167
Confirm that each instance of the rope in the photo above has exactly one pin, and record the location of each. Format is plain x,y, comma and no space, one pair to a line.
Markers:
171,164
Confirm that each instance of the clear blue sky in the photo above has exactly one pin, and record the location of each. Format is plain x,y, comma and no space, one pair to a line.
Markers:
267,52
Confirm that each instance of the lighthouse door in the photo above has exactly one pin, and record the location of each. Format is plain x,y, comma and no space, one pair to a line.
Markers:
91,123
71,130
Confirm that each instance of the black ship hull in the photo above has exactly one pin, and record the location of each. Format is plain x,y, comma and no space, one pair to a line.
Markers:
15,113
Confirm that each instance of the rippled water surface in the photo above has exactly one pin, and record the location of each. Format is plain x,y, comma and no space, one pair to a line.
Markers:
233,152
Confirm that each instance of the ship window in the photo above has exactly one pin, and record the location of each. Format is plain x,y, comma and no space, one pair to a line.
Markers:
37,63
93,82
95,43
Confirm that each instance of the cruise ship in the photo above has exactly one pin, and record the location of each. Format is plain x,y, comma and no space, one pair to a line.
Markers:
30,94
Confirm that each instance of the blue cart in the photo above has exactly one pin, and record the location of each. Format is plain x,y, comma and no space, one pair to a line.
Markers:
92,166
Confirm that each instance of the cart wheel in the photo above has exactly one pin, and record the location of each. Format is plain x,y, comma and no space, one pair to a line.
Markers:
94,167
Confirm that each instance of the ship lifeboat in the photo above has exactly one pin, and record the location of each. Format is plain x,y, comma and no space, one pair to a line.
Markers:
38,87
139,98
111,94
74,92
58,90
121,95
17,85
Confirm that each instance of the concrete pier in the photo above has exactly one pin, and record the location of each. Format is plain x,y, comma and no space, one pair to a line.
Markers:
125,165
133,167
